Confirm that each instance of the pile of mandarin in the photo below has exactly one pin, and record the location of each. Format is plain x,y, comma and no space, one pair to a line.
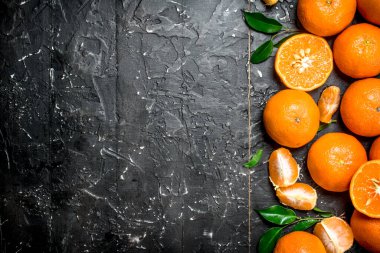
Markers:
337,161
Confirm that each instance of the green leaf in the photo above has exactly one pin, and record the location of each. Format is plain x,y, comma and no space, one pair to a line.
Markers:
322,126
269,239
278,215
326,215
318,210
278,44
262,53
257,21
303,225
255,159
322,213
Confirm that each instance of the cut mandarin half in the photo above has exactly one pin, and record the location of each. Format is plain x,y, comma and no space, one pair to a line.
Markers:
328,103
365,189
304,62
299,196
283,168
335,234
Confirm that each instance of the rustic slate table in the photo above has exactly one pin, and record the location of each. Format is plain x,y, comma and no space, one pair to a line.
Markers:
124,126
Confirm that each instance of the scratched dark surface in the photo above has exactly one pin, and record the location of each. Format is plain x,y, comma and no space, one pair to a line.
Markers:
124,126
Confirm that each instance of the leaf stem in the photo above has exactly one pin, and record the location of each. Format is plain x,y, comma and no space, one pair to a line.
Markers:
287,30
299,219
309,218
290,30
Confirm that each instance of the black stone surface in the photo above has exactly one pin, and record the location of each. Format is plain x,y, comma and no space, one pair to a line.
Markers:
124,126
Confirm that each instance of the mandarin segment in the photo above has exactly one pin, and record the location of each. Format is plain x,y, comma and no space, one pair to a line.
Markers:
374,152
291,118
270,2
357,51
299,196
366,231
283,168
360,107
325,17
304,62
328,103
335,234
333,159
365,189
299,242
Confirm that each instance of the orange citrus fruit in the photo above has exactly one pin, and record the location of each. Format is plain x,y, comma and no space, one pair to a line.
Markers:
328,103
299,196
283,168
374,152
299,242
366,231
360,107
304,62
370,10
291,118
365,189
326,17
333,159
357,51
335,234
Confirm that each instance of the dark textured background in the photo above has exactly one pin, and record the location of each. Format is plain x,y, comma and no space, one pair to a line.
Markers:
124,126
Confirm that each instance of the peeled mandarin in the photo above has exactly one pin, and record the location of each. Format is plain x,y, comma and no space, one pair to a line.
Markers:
283,168
299,196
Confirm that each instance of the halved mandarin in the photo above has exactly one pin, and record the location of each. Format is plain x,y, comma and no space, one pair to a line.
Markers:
304,62
365,189
299,196
283,168
328,103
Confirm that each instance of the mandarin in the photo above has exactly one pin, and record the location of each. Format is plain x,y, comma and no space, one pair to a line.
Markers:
360,107
333,159
365,189
374,152
357,51
304,62
291,118
326,17
299,242
370,10
366,231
